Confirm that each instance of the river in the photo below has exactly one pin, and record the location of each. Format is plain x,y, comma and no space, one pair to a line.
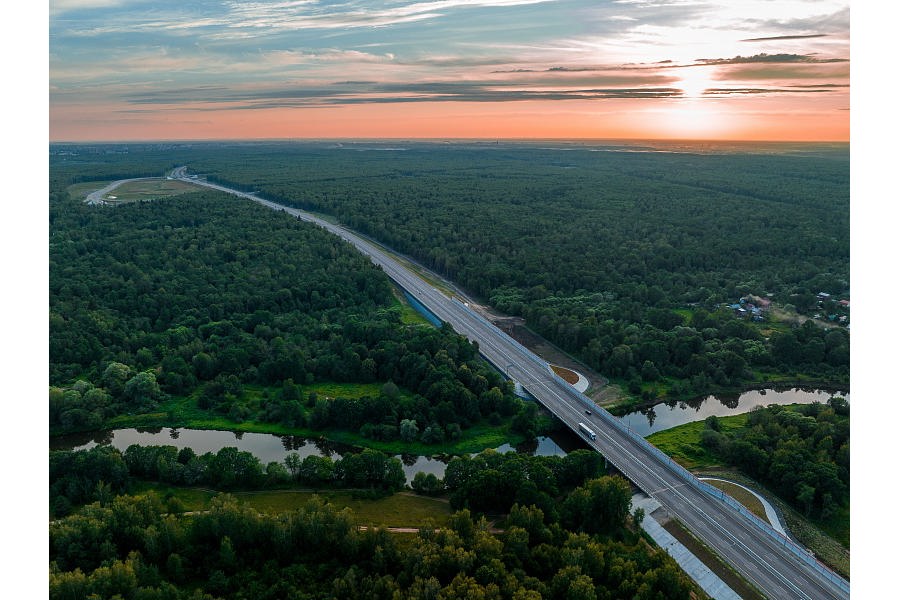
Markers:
662,416
268,447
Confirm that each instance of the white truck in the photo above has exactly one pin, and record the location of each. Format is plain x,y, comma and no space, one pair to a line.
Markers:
587,431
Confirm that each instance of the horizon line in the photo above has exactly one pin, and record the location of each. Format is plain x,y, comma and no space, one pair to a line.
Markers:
447,139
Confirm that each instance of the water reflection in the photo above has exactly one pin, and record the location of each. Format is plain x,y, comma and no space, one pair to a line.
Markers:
292,443
666,415
527,447
269,447
409,459
729,400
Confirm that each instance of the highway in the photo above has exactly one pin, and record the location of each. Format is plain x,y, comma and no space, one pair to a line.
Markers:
776,566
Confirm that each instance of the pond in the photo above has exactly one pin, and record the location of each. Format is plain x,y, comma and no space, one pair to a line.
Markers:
268,447
662,416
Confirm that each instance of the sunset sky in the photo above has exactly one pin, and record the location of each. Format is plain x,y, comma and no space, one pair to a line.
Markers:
207,69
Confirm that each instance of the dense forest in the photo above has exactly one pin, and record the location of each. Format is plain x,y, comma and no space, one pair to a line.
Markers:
801,452
128,548
201,296
488,482
622,258
622,255
135,547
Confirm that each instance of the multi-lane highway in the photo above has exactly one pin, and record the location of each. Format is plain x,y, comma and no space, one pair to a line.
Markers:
775,565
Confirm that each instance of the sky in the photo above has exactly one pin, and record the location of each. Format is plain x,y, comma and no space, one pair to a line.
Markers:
644,69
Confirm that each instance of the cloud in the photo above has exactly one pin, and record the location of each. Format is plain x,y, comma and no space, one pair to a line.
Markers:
785,37
204,98
750,91
769,58
783,72
57,6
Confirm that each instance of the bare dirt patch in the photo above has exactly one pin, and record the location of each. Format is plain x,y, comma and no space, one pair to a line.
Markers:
783,316
570,376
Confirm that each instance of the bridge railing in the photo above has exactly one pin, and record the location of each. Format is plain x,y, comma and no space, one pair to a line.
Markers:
534,358
691,479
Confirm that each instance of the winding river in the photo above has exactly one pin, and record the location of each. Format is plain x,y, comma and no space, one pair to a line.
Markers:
269,447
663,416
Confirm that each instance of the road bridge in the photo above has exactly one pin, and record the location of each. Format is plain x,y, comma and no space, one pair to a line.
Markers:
777,566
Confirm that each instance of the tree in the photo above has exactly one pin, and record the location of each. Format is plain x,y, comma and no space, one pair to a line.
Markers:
526,421
292,461
601,506
433,434
115,376
409,431
142,389
289,391
426,483
390,390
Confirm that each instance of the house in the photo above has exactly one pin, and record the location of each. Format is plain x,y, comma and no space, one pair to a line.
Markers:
844,303
823,296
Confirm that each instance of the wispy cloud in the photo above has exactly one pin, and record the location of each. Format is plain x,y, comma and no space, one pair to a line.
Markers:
59,6
771,59
785,37
208,98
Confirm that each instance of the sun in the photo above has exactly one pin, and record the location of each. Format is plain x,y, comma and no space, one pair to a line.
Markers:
692,114
694,81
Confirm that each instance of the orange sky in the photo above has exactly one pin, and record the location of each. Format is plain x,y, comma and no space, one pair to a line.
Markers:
643,69
616,120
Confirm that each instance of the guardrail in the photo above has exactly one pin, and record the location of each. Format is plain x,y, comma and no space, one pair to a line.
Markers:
689,477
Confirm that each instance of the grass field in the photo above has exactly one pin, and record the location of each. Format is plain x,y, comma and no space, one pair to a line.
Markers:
80,191
133,191
408,314
151,189
398,510
683,442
